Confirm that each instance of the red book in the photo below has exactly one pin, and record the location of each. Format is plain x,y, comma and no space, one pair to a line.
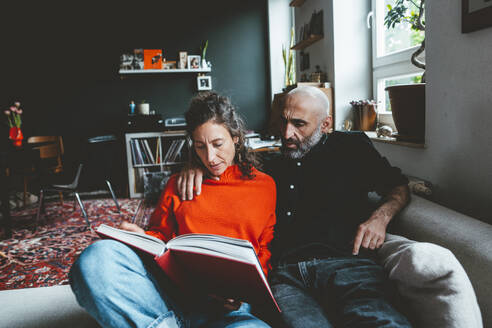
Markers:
152,58
206,263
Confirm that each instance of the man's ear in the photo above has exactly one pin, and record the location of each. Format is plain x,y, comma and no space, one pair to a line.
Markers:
326,124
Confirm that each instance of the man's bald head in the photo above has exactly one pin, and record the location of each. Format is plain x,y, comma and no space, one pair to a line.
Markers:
305,118
318,101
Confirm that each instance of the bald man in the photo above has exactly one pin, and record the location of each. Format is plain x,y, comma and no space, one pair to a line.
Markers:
324,268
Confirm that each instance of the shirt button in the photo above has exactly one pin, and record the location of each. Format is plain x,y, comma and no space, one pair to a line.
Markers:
289,213
299,164
291,186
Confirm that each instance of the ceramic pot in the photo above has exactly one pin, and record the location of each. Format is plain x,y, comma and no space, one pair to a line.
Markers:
408,110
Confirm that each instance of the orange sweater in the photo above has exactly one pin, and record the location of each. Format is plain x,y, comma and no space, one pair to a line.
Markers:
231,206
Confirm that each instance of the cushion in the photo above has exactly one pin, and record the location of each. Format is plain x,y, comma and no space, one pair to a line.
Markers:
434,288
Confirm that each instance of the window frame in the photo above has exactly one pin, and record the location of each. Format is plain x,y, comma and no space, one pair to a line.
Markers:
392,65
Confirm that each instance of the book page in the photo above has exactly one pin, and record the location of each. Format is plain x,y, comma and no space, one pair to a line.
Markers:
144,242
216,245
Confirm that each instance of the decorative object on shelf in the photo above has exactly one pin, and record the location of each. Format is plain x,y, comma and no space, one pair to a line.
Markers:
304,62
347,125
169,64
289,61
310,32
132,108
317,76
193,62
365,114
138,59
152,58
183,58
204,52
408,100
384,131
475,15
204,82
14,121
143,108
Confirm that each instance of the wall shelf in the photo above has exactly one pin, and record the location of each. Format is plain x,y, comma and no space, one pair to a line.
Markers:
306,43
296,3
159,71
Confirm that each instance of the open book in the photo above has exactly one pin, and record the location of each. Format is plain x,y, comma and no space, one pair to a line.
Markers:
205,263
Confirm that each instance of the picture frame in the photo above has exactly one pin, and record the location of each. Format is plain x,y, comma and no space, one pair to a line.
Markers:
183,59
475,15
193,62
204,82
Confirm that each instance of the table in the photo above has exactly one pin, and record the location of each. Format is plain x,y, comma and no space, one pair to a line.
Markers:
11,157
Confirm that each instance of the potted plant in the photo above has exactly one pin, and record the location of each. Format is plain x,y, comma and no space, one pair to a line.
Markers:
408,101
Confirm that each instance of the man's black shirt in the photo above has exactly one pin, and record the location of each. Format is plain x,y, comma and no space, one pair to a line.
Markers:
323,197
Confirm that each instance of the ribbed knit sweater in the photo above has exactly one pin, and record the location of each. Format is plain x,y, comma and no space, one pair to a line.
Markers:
231,206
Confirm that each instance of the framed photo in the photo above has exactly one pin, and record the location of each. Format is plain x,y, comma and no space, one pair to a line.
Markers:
204,82
183,57
475,15
193,62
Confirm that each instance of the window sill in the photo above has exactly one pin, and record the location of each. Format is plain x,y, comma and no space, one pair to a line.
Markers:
372,135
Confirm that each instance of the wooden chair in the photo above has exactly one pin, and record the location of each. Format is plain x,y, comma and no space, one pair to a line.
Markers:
50,154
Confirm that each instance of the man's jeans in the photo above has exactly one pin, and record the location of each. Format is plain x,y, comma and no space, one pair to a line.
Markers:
341,292
121,289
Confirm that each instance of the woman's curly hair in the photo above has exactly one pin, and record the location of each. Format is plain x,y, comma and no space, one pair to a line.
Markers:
210,106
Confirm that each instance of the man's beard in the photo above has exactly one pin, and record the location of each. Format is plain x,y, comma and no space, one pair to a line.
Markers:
303,147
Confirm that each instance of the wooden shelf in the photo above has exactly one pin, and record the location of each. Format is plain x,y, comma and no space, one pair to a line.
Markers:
296,3
159,71
306,43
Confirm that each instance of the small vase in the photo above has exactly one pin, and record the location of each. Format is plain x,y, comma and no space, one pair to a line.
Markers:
15,134
204,63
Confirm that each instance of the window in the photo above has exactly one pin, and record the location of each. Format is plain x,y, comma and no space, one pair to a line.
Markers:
392,50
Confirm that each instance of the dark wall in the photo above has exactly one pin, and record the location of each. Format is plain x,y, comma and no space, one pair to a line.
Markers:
61,61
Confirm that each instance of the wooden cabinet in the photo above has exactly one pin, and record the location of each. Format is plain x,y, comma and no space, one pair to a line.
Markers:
148,152
277,106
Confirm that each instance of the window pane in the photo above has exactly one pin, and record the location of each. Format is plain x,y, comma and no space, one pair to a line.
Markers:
401,36
408,79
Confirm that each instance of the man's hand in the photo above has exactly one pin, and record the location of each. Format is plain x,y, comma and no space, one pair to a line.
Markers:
372,233
188,179
131,227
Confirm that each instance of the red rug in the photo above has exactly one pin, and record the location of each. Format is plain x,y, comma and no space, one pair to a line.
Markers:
44,258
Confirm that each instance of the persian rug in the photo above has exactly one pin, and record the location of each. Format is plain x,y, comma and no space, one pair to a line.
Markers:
44,258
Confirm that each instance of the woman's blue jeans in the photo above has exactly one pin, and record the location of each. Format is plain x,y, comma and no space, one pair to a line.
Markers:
120,288
335,292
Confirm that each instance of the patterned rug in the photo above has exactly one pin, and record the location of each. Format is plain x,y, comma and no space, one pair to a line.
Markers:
44,258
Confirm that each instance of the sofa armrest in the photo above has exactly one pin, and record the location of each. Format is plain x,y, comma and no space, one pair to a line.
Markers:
469,239
42,307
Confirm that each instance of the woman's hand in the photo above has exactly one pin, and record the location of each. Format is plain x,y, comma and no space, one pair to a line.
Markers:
131,227
228,303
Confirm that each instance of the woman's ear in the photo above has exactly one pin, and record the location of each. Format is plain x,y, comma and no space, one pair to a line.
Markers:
235,139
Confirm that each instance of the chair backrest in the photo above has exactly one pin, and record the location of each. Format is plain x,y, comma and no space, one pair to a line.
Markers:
51,147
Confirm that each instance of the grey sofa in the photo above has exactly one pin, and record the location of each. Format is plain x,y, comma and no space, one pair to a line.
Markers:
469,239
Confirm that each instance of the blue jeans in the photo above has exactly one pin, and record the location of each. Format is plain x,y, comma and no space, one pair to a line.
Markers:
340,292
121,288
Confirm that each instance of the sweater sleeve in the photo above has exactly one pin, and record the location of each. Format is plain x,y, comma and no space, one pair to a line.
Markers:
264,253
162,221
266,237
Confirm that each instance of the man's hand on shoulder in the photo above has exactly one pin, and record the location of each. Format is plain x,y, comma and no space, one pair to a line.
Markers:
372,233
189,179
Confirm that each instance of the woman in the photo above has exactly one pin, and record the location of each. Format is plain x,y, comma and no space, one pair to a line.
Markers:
122,289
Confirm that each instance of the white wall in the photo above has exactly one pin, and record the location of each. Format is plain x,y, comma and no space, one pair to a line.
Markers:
346,42
458,157
279,24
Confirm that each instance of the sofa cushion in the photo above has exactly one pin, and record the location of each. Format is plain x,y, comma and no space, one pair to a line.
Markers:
434,287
